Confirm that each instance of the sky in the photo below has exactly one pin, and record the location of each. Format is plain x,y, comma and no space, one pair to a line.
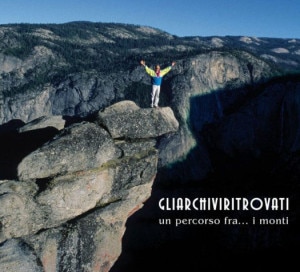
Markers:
255,18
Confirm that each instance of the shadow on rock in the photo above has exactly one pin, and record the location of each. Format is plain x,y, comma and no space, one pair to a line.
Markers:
15,146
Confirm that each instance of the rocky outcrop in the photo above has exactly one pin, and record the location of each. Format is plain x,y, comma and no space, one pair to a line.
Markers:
67,209
92,143
148,123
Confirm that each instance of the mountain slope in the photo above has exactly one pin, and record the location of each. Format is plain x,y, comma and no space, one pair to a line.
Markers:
39,61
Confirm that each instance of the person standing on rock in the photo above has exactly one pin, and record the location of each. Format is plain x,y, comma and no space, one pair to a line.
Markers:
156,80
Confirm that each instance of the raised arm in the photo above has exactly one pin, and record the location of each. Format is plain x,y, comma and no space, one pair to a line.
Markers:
167,70
148,70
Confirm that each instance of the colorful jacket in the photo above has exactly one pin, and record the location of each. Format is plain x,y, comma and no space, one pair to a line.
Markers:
157,79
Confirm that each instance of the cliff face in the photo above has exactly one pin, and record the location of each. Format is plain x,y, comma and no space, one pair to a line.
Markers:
206,86
67,207
235,110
